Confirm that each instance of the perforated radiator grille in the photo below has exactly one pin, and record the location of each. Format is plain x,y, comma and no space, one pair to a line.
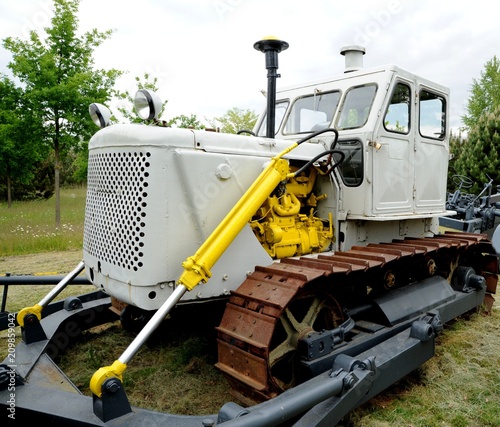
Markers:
116,209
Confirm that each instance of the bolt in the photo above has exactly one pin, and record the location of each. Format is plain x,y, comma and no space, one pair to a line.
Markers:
112,385
30,318
390,280
208,422
349,382
431,266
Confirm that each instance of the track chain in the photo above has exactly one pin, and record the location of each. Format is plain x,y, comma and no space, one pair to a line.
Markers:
252,315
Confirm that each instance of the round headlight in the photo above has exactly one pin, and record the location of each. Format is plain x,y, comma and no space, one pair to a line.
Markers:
147,104
100,114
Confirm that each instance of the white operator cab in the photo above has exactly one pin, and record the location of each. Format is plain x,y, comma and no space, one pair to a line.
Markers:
393,129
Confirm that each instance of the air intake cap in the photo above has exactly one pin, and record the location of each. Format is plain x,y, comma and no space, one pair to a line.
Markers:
353,57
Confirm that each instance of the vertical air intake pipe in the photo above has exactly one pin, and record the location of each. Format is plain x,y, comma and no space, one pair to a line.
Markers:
353,57
271,47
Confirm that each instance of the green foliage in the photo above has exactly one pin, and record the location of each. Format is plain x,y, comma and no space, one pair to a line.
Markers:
235,120
58,75
80,165
456,148
485,93
479,157
21,148
151,83
59,82
188,122
127,99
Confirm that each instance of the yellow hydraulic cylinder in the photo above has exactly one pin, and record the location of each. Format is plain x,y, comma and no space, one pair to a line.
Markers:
197,267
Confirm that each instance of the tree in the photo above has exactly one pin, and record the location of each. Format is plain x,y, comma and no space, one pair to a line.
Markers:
457,143
127,99
235,120
183,121
485,93
20,149
126,109
60,82
480,155
9,106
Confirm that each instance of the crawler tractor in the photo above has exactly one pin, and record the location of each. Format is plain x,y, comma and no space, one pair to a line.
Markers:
318,229
473,213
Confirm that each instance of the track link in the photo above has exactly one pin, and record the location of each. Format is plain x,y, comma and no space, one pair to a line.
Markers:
267,315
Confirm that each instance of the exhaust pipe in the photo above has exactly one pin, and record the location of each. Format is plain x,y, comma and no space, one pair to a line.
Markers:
271,47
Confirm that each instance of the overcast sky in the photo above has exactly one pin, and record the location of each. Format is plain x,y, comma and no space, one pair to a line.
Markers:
202,51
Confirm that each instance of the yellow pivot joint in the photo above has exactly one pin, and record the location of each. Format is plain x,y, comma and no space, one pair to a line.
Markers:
194,273
36,310
102,374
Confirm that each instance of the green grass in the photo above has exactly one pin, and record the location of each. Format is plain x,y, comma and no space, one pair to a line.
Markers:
29,227
171,373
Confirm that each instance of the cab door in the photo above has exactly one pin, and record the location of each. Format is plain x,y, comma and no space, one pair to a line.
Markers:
393,153
431,150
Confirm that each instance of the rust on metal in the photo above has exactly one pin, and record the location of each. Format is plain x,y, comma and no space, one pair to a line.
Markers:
262,324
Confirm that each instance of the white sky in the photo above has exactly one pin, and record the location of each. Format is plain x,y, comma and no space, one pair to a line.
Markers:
202,51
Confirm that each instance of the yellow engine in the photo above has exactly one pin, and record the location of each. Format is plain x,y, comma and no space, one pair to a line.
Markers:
285,224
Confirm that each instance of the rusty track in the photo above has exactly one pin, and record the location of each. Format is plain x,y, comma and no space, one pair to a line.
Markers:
276,305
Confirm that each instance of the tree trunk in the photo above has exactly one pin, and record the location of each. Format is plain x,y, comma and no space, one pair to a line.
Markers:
9,191
57,167
57,192
9,185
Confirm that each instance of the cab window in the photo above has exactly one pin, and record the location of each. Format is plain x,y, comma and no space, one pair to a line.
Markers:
397,116
351,169
432,115
312,113
281,107
356,108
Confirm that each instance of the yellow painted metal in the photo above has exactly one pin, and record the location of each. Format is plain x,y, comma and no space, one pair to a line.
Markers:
282,225
36,310
197,267
285,235
102,374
